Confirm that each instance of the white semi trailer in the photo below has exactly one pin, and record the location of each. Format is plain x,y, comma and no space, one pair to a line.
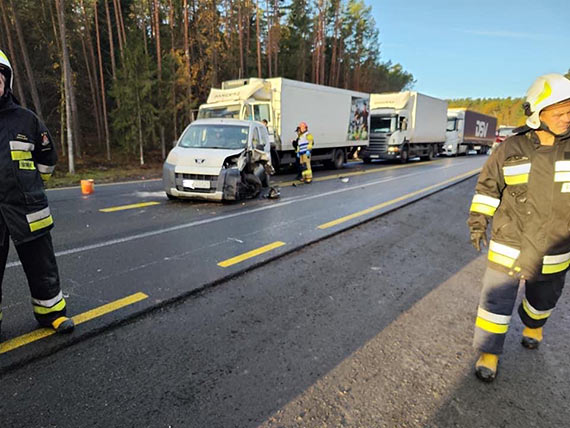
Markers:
405,125
337,118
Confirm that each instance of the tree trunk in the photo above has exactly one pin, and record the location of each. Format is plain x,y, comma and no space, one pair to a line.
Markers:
187,57
27,65
18,90
68,85
93,68
269,47
156,5
116,6
240,37
102,81
94,98
173,89
111,43
258,39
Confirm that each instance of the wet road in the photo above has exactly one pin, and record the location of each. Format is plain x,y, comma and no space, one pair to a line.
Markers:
368,328
126,249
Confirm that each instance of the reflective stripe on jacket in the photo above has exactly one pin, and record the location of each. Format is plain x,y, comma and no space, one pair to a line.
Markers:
524,188
305,143
27,158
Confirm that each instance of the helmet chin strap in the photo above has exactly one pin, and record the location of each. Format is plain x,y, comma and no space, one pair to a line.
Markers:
544,127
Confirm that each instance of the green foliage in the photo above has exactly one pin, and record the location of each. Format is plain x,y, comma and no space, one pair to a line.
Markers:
508,111
135,92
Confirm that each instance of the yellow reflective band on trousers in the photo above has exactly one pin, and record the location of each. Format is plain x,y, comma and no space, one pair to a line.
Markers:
40,224
547,269
491,327
500,259
516,179
45,177
533,313
556,263
21,155
42,310
26,164
483,209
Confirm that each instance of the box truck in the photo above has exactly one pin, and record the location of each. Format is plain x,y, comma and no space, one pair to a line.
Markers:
337,118
405,125
468,130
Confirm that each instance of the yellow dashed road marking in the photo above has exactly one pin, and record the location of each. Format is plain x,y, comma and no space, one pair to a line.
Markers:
251,254
128,207
38,334
393,201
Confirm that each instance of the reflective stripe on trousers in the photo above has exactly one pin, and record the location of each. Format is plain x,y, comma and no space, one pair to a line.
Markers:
497,301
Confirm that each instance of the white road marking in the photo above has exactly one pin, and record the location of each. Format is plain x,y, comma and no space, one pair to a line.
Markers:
228,216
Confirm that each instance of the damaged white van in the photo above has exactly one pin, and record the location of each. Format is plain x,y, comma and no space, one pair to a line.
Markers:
219,159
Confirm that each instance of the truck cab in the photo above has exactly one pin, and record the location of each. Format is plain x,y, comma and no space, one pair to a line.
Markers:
248,99
218,159
388,132
454,135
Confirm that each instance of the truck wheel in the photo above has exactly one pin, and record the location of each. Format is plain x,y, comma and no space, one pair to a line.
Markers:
275,162
404,155
338,159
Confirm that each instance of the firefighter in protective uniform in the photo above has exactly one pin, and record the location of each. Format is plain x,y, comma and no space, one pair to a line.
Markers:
27,158
303,148
524,190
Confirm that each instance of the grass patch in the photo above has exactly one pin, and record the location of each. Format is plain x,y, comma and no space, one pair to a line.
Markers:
104,174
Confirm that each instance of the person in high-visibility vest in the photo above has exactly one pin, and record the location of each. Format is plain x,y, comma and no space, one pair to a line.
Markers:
27,159
524,190
304,146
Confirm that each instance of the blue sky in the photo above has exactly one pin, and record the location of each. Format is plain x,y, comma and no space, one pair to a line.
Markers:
474,48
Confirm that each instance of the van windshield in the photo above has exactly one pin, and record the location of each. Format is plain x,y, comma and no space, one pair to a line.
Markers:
226,112
383,124
230,137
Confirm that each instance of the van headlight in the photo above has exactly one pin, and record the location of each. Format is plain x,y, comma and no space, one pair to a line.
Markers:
449,146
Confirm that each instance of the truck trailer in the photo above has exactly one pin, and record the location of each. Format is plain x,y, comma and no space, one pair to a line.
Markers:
337,118
468,130
405,125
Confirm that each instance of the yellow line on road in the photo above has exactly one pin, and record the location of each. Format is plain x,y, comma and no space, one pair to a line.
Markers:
38,334
128,207
352,174
393,201
250,254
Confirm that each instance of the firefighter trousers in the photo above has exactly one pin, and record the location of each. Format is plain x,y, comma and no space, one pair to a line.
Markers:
38,260
497,301
305,166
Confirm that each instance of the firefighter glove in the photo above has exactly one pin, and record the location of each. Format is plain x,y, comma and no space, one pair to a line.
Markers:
478,239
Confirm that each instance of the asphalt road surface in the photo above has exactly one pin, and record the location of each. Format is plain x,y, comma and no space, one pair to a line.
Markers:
369,327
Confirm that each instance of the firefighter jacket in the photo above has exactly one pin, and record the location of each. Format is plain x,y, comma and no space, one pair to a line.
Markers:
524,188
27,158
304,144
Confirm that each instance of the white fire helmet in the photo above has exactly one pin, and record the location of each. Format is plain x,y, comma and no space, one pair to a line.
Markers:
546,90
6,69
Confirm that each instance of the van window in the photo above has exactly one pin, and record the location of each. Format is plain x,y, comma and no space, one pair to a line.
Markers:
260,112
